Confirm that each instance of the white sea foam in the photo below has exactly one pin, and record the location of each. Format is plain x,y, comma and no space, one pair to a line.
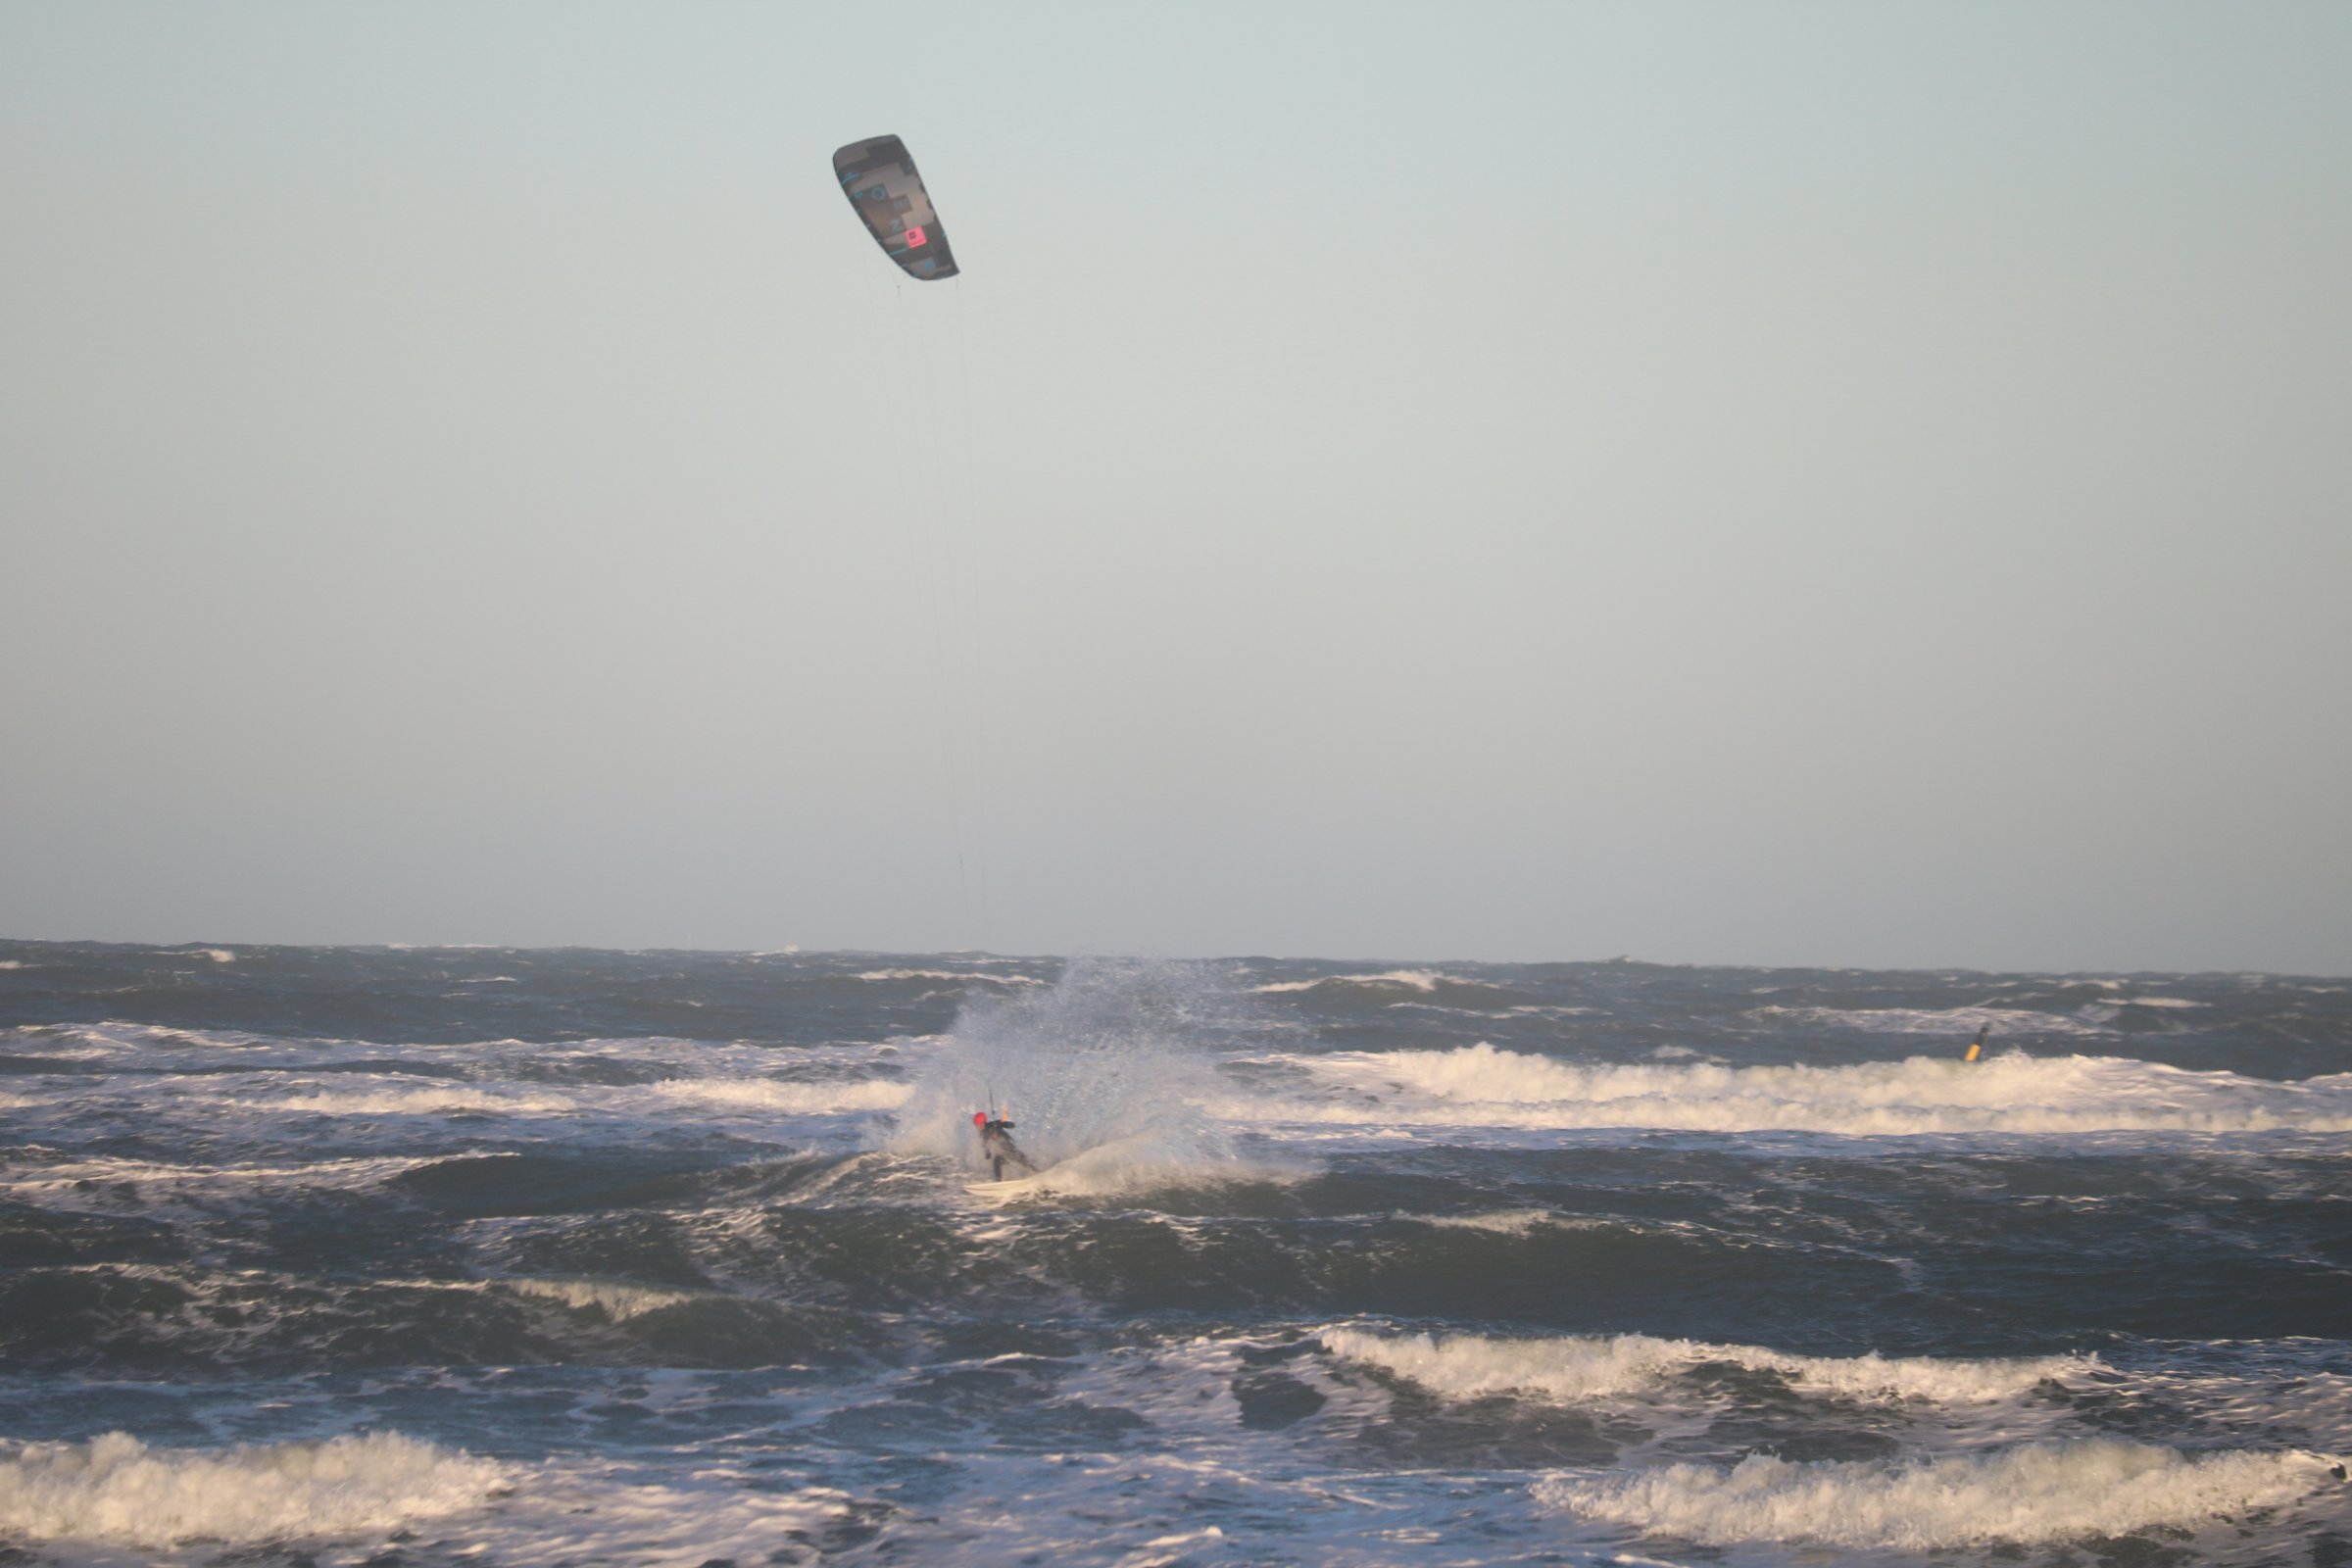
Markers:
2037,1492
577,1514
98,1184
1424,981
1503,1222
1470,1366
956,976
116,1493
1140,1164
89,1040
2010,1092
115,1488
617,1302
438,1100
1110,1065
796,1097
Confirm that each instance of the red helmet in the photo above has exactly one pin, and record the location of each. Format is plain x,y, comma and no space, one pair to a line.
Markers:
979,1118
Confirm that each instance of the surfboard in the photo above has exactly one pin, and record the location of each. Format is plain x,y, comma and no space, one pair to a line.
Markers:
998,1192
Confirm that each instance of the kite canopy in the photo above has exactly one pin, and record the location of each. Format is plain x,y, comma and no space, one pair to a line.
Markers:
878,176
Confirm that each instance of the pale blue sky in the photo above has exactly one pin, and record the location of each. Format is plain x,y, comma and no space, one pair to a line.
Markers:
1816,483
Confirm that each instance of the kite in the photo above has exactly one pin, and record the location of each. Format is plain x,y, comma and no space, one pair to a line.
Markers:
878,177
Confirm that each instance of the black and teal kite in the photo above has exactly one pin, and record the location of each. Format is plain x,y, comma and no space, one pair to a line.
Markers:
878,176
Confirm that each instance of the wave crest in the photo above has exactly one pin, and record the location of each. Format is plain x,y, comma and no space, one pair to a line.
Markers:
2035,1492
115,1488
1471,1366
2011,1093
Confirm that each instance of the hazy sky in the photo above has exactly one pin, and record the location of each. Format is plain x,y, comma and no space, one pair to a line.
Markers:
1852,484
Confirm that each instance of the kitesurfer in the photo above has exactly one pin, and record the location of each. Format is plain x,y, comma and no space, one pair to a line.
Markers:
997,1144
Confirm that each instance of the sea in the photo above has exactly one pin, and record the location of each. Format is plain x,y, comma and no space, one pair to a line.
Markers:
487,1257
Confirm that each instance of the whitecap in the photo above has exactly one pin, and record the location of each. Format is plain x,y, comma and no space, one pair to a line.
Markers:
1469,1366
772,1094
2033,1492
953,976
1424,981
421,1102
1505,1222
1481,1085
617,1302
115,1488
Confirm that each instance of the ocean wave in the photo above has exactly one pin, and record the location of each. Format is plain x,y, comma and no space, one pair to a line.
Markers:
619,1303
1139,1164
2009,1093
2035,1492
1470,1366
777,1094
102,1181
89,1042
1956,1022
115,1488
570,1513
1506,1222
1425,981
955,975
435,1100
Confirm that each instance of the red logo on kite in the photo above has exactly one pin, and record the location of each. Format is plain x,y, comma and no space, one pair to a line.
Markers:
915,237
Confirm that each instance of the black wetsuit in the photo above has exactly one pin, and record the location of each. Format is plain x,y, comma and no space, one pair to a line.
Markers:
996,1147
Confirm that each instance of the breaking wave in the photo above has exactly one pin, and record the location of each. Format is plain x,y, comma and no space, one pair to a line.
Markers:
2010,1092
1507,1222
2037,1492
1471,1366
401,1102
804,1099
955,976
619,1303
1423,981
115,1488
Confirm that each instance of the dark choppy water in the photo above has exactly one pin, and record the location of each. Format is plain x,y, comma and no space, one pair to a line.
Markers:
488,1256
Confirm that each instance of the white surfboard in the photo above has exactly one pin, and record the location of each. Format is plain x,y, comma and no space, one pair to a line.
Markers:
998,1192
